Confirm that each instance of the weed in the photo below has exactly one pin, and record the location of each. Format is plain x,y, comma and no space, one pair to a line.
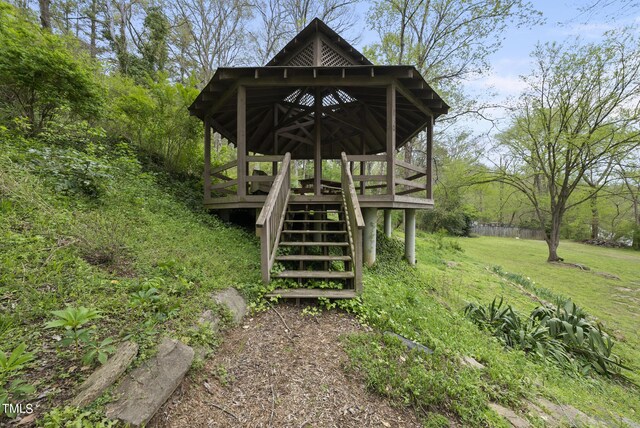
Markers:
72,417
72,319
12,389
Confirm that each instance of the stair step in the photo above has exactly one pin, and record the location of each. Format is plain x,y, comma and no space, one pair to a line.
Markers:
313,244
298,293
303,232
311,258
314,211
315,221
321,274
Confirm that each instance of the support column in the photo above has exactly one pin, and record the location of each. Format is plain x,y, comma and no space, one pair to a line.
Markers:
207,160
391,139
410,235
241,141
369,236
387,223
274,165
430,158
317,158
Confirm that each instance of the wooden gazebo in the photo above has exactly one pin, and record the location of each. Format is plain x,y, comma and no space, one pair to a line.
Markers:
319,99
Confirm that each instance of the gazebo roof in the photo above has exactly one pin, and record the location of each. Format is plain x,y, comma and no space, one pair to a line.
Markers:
318,62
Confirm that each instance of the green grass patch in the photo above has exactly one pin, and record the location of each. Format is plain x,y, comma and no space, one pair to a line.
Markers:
135,250
425,304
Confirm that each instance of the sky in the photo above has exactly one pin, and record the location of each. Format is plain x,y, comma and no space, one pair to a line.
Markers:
563,21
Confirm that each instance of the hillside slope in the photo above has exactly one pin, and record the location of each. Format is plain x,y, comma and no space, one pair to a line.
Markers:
86,226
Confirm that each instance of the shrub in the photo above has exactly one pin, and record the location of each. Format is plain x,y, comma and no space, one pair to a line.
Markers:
455,222
71,171
561,334
41,76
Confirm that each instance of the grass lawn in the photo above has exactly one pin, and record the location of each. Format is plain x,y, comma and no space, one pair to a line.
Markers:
614,302
426,304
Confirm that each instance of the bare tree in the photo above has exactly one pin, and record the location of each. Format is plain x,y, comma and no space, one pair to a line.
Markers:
270,31
277,21
216,31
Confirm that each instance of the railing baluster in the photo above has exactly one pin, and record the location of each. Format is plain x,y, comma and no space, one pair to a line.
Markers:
355,222
272,216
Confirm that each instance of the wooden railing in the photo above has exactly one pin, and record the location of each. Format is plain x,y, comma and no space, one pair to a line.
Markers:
271,218
355,222
408,180
226,180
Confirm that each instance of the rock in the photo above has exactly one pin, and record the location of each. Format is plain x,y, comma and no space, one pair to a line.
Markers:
233,301
146,388
410,344
471,362
608,275
565,414
208,318
451,264
510,415
105,375
630,423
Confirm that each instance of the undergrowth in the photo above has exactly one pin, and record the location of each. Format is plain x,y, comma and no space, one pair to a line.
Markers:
84,225
414,302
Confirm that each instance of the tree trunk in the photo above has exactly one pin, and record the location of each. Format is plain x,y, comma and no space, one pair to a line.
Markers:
94,29
45,14
595,217
636,231
553,239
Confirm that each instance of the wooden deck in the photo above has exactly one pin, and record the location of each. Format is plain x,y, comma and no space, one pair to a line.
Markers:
409,187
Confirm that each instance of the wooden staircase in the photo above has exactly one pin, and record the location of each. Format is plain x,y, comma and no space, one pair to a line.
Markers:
314,247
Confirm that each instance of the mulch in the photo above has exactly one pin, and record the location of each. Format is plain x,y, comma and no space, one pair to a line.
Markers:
266,374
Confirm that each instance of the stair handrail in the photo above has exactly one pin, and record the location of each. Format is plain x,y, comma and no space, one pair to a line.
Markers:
271,218
355,222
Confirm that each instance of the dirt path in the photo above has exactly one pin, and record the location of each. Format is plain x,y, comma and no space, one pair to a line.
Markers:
264,376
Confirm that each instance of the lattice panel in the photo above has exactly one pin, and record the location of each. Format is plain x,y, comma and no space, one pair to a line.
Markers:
306,100
331,58
304,58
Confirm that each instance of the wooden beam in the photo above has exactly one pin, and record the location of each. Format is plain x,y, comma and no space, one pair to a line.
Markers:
367,158
365,81
296,137
222,99
241,143
414,100
274,165
317,158
207,158
430,158
391,139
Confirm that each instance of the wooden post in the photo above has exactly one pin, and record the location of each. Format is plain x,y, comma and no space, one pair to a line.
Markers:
430,158
241,141
317,158
207,160
410,235
362,165
274,165
391,139
317,51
